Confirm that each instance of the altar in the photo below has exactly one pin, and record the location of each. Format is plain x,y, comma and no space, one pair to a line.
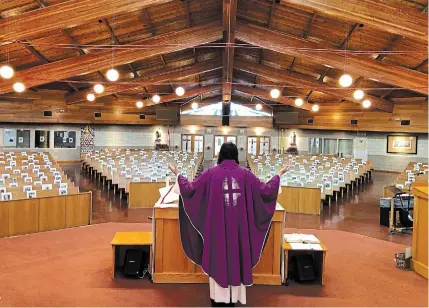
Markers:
171,265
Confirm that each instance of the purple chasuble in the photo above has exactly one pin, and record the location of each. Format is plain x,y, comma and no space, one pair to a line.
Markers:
225,215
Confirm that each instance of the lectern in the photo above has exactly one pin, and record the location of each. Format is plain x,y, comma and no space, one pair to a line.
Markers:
171,265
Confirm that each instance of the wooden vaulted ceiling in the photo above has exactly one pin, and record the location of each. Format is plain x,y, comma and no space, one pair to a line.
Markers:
218,49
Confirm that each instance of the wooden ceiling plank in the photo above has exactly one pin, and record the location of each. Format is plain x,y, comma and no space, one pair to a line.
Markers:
356,64
229,24
65,15
374,13
148,79
304,36
265,95
188,13
302,80
92,62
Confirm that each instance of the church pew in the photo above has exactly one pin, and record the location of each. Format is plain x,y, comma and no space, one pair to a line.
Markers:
26,216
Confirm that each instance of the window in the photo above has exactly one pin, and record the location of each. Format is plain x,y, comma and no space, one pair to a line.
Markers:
41,139
314,145
345,147
23,138
65,139
236,110
330,146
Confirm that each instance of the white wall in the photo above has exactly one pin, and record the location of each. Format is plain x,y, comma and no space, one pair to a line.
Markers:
377,147
144,137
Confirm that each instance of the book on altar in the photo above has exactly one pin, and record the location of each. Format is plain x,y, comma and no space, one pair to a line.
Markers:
301,238
169,195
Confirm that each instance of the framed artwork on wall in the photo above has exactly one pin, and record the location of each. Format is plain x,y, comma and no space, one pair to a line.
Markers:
401,144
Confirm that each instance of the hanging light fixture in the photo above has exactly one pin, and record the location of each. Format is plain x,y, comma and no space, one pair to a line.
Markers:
19,87
139,104
156,98
6,72
346,81
180,91
358,94
98,88
315,108
258,107
90,97
275,93
194,105
299,102
366,103
112,74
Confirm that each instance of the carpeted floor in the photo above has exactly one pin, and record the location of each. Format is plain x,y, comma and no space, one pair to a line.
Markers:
72,267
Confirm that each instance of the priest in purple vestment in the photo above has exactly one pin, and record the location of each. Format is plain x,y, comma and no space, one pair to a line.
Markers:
225,216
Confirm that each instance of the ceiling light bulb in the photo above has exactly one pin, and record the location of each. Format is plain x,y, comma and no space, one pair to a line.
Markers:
19,87
346,81
366,103
156,98
358,94
6,72
315,108
139,104
299,102
180,91
194,106
275,93
258,107
112,74
90,97
98,88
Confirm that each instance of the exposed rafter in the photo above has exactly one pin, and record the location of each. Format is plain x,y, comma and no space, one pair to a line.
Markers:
229,23
149,78
301,80
88,63
356,64
65,15
265,95
375,13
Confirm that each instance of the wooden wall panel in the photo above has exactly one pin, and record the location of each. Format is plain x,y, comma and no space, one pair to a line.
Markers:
200,120
251,122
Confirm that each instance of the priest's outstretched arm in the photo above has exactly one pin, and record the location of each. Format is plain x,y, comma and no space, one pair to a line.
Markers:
187,189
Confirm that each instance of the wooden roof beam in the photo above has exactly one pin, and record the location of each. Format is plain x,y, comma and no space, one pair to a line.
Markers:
302,80
265,95
188,93
65,15
92,62
229,23
305,35
356,64
149,78
389,17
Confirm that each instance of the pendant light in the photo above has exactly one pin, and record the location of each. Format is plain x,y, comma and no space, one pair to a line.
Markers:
112,74
156,98
275,93
258,107
366,103
194,105
346,81
358,94
315,108
6,72
180,91
98,88
90,97
299,102
19,87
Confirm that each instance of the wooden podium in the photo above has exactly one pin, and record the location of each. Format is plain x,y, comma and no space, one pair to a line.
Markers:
419,262
171,265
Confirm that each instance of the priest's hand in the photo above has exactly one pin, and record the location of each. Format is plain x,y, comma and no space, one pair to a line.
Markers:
173,169
285,169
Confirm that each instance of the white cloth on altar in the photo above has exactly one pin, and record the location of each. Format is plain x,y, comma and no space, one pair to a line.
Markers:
227,295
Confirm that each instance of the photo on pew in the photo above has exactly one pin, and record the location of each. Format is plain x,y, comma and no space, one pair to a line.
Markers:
6,196
31,194
64,185
62,191
27,188
47,187
2,190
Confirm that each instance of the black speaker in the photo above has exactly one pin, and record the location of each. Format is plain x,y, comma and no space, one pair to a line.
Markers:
97,114
142,116
47,113
305,268
135,260
353,122
310,121
405,122
226,112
